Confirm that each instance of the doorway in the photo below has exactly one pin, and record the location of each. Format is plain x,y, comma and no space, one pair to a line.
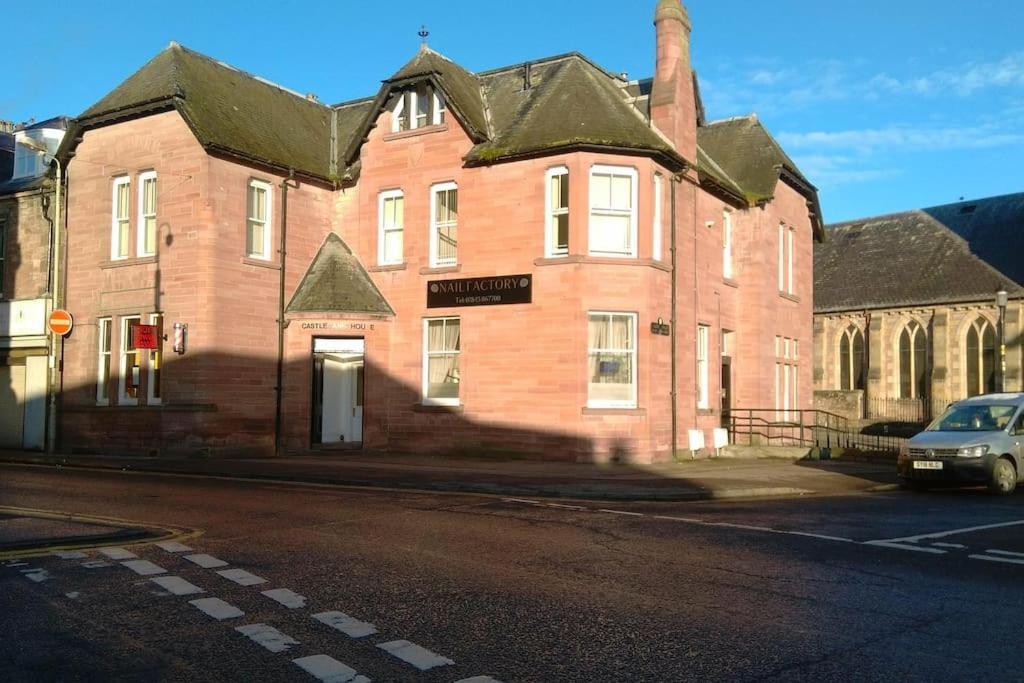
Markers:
338,391
726,391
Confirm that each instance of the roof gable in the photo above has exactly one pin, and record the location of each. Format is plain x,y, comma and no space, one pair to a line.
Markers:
336,282
945,254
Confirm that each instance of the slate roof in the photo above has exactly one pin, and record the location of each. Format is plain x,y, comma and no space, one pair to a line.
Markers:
945,254
229,110
336,282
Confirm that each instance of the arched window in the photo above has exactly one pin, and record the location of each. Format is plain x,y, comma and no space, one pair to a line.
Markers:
913,360
980,358
851,360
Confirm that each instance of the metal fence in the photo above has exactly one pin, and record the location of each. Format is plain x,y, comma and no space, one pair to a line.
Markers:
899,409
813,428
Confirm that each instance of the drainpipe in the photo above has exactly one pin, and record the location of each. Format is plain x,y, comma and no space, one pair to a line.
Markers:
279,387
674,184
56,341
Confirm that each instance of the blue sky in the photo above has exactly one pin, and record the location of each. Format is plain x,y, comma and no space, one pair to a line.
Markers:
885,105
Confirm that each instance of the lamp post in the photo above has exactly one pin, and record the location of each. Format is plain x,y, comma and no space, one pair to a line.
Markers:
1001,300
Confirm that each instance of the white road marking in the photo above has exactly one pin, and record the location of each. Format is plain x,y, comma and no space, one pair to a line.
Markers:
954,546
566,507
267,636
39,575
73,595
176,585
96,564
992,558
118,553
353,628
15,563
286,597
953,532
70,555
174,547
1007,553
217,608
900,546
241,577
420,657
30,570
144,567
622,512
520,500
479,679
329,670
206,561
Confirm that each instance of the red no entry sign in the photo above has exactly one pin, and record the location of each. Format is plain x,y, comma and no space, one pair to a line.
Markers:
61,322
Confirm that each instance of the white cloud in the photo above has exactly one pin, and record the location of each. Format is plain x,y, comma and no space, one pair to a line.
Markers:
906,137
831,171
970,78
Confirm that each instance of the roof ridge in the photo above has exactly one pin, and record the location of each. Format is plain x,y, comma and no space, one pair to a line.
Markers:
922,209
265,81
752,116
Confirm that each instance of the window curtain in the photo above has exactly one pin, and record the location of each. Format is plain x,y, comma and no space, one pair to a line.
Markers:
610,338
443,358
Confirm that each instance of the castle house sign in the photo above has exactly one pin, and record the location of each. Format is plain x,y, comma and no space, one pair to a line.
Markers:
480,291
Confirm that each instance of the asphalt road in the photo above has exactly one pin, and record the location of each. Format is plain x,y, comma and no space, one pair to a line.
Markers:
881,586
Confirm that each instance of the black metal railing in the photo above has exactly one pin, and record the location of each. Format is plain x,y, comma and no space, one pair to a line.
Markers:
810,428
898,409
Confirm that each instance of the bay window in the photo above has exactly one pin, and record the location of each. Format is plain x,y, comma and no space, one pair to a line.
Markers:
556,232
613,195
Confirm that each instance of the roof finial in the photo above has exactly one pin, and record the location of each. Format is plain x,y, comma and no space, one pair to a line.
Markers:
423,33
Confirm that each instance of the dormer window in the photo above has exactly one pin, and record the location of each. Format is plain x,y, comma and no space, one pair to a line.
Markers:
418,107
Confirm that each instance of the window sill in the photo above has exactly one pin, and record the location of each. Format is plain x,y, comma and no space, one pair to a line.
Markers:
601,260
705,411
124,262
260,263
440,270
791,297
415,132
594,410
387,267
158,407
427,408
729,282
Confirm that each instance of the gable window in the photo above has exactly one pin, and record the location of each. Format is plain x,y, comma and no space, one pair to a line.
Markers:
147,214
851,360
656,224
727,244
131,364
119,229
441,346
103,325
444,224
613,211
980,358
703,401
557,200
391,223
258,223
611,356
418,107
913,358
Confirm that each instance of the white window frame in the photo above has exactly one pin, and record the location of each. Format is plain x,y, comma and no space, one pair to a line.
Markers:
396,114
789,261
703,390
115,232
435,260
140,247
122,384
255,183
103,358
155,319
656,225
439,108
782,257
383,230
599,169
727,264
631,403
427,353
551,249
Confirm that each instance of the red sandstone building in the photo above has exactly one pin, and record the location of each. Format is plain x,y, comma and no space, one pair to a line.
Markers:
544,257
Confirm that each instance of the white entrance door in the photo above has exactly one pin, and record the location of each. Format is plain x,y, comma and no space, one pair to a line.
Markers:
341,382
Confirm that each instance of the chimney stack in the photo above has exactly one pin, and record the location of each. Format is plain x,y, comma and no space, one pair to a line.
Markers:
673,103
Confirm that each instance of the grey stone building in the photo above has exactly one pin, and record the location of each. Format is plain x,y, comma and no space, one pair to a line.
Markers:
906,317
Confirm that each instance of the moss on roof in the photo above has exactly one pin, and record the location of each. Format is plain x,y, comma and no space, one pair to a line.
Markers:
337,283
228,110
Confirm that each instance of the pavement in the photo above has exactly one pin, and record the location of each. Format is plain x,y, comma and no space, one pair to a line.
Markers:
688,480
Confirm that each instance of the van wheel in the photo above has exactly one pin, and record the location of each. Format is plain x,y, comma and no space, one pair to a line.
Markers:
1004,477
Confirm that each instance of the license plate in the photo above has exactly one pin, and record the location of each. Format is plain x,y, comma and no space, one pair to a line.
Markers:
927,465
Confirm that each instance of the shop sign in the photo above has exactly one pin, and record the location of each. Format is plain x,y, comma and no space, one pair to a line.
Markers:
144,337
480,291
337,325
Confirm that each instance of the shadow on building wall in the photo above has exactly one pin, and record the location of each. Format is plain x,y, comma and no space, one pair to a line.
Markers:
11,398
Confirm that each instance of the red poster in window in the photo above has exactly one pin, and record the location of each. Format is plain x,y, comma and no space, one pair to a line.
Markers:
144,337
